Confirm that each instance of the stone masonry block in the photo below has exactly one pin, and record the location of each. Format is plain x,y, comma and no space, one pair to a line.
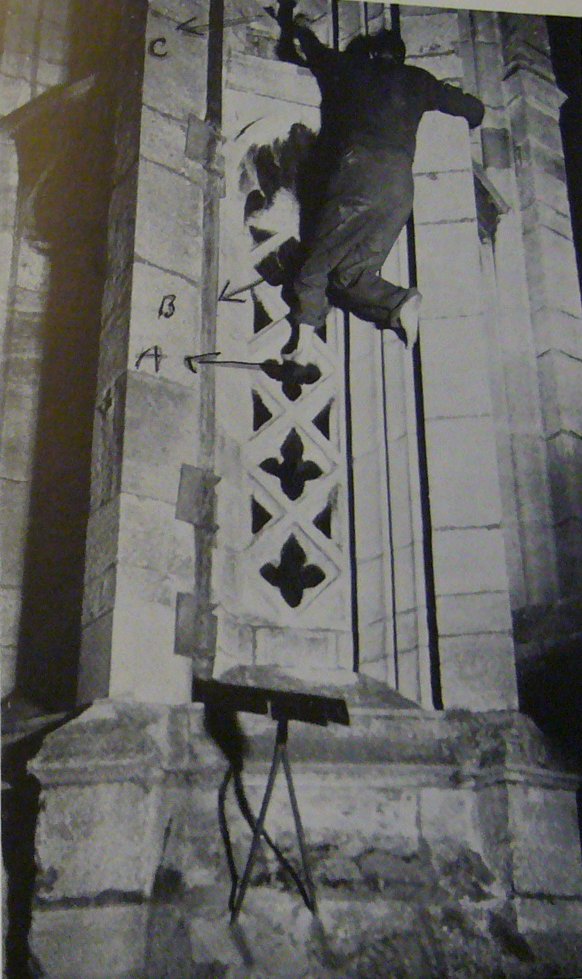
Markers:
469,560
95,659
53,42
8,660
144,666
446,66
10,605
442,144
400,492
196,634
561,386
18,437
175,85
443,197
108,435
541,183
272,79
545,841
14,508
449,270
565,462
273,646
449,816
121,227
478,672
484,612
431,36
492,819
405,571
542,915
552,274
556,329
113,820
464,479
102,538
529,118
50,74
20,30
409,680
362,810
16,92
163,140
542,214
165,312
99,595
371,588
532,86
529,464
161,434
455,349
169,221
101,942
151,537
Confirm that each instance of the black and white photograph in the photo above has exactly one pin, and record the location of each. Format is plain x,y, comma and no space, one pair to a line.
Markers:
291,489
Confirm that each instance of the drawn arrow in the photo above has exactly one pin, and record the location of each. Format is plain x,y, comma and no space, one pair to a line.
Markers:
188,27
229,297
192,361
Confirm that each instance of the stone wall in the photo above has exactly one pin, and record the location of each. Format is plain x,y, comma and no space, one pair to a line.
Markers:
440,844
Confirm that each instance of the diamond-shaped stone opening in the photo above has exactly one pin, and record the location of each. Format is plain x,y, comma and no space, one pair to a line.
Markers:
293,575
261,414
323,520
322,420
260,516
292,470
261,318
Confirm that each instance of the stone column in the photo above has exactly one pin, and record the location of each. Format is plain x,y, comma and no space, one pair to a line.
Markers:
472,593
533,102
148,421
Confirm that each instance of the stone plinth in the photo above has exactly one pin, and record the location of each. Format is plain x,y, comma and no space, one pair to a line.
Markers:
426,833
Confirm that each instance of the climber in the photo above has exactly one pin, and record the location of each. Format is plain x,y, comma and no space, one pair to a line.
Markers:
358,186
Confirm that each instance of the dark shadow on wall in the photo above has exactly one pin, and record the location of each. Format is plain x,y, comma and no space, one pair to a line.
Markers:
565,35
22,738
65,151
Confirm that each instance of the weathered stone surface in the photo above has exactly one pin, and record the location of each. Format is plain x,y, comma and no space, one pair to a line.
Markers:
443,197
169,221
464,479
550,824
478,613
411,863
161,434
456,568
478,671
90,943
448,294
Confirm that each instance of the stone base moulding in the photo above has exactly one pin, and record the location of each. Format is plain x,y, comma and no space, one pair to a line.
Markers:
431,837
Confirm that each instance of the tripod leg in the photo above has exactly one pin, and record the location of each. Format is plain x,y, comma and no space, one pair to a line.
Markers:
257,834
299,828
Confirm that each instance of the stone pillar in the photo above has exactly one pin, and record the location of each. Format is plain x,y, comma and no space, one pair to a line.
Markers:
521,448
472,592
150,408
534,102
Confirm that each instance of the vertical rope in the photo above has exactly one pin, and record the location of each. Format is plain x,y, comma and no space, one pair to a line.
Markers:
431,616
351,492
390,518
